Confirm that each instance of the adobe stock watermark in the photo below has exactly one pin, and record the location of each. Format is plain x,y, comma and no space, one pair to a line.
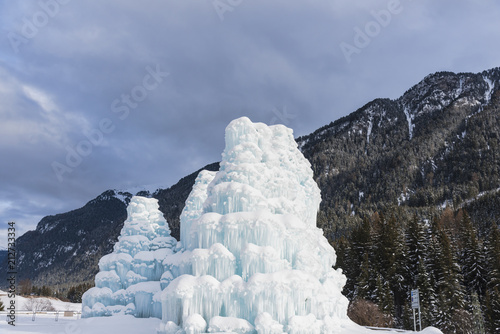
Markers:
120,106
282,116
11,273
223,6
48,9
364,36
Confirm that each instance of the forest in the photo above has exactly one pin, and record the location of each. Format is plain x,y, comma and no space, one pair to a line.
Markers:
456,272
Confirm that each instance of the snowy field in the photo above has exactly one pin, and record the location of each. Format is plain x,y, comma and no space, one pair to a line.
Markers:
57,304
47,324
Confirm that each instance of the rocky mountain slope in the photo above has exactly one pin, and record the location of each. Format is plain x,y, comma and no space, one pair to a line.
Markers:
436,145
73,242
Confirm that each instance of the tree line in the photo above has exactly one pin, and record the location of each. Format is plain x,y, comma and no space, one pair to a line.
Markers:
72,294
457,272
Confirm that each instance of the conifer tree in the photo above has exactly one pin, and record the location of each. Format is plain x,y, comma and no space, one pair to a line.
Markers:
427,295
407,316
471,257
398,281
343,250
492,311
492,298
477,316
364,284
493,258
434,251
384,299
417,246
451,296
418,275
354,255
389,252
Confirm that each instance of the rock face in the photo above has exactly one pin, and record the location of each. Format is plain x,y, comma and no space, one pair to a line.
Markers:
250,258
436,145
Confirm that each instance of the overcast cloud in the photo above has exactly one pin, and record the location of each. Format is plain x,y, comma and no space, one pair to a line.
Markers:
151,85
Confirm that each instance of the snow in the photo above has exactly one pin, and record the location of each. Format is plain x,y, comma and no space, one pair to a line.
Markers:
304,324
150,188
409,119
491,86
431,330
128,324
250,257
46,324
404,196
229,324
58,305
460,89
195,324
446,203
478,196
121,196
369,130
265,324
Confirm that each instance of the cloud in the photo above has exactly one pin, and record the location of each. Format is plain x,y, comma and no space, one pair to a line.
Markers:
61,83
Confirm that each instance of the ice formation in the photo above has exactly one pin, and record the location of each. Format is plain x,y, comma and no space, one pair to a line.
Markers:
251,258
131,277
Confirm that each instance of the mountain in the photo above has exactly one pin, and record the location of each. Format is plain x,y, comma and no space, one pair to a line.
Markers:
433,147
73,242
3,256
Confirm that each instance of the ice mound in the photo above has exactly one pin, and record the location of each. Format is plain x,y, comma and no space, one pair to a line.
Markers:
253,259
250,258
130,276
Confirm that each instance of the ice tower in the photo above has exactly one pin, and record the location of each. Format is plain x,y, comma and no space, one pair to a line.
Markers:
251,258
258,262
130,277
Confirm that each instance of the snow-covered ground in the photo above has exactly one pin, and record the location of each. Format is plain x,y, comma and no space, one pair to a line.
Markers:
126,324
58,305
46,324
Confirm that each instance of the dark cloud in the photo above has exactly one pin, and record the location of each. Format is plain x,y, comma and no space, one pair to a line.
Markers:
274,61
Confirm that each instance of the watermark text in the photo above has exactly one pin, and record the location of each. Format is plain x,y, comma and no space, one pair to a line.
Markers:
11,273
48,9
365,35
223,6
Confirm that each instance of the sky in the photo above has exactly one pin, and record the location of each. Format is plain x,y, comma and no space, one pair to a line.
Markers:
121,94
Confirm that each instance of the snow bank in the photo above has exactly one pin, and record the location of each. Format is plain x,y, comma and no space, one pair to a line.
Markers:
431,330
